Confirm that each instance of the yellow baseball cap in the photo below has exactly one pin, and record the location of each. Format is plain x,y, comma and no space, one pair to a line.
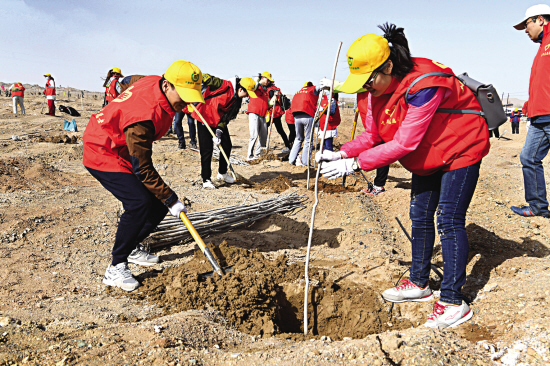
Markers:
249,85
187,79
117,70
364,56
516,110
268,75
47,75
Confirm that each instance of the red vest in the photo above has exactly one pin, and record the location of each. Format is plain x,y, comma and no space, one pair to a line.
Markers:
539,84
453,140
20,92
289,117
363,106
258,105
524,108
51,89
278,109
110,91
333,120
305,101
216,103
105,146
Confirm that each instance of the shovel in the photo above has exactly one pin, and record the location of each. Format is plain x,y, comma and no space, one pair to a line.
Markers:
235,175
205,250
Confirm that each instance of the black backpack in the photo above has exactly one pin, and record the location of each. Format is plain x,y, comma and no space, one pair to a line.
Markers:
285,102
69,110
491,105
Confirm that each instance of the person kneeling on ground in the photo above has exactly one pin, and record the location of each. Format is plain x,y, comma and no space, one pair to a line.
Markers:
223,100
118,144
442,150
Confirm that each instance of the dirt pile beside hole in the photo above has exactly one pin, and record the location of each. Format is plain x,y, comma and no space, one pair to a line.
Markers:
270,155
263,297
19,173
330,188
275,185
58,139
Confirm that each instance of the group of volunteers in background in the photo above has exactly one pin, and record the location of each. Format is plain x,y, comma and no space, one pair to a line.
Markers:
407,118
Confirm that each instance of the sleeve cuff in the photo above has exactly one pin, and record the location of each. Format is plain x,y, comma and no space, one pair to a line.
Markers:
171,200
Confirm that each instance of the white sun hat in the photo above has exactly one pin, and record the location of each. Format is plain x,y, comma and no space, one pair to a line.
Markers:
533,11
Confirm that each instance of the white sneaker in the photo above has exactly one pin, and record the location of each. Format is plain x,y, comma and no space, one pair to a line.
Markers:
208,184
120,276
449,315
407,291
285,150
251,158
299,161
141,256
227,178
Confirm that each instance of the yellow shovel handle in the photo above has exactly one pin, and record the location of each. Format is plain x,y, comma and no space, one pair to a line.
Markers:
192,231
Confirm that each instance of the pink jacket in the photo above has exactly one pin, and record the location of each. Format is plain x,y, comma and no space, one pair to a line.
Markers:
368,147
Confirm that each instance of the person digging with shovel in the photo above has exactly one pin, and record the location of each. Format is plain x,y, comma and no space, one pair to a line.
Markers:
223,100
443,151
118,144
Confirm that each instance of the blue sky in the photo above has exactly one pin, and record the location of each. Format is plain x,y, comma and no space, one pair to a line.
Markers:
79,41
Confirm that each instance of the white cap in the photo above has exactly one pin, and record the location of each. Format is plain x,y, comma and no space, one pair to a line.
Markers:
535,10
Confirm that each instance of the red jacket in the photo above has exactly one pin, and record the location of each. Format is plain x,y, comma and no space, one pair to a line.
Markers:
104,142
524,108
333,120
305,101
451,141
20,92
110,91
279,112
258,105
289,117
216,103
539,84
50,87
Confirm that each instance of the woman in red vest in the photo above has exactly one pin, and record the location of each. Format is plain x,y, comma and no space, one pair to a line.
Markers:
277,109
49,90
442,150
333,121
118,144
304,103
289,119
112,85
18,93
223,100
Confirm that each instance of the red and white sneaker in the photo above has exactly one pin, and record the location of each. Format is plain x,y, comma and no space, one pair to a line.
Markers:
373,190
408,291
449,315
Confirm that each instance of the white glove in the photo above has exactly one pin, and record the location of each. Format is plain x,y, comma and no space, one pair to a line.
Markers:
328,155
177,208
216,141
325,83
337,169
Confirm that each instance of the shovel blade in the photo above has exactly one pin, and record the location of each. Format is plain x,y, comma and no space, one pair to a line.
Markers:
225,270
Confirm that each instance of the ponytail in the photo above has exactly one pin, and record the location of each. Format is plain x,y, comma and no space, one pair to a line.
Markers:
400,55
109,74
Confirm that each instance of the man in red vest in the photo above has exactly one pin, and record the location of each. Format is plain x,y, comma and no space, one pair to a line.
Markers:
537,142
118,144
18,93
49,90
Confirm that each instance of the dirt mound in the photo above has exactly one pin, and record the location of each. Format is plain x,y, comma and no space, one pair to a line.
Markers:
18,173
327,187
267,156
275,185
58,139
263,297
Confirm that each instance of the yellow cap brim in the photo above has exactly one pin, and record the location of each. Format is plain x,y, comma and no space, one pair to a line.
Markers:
354,83
251,94
189,95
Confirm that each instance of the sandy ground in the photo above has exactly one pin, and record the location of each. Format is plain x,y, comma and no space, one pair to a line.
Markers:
57,227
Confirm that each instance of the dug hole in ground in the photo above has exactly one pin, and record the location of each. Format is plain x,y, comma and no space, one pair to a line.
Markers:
57,226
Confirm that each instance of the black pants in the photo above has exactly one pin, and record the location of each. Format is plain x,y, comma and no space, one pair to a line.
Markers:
494,132
178,127
381,176
515,127
291,133
206,147
142,211
281,131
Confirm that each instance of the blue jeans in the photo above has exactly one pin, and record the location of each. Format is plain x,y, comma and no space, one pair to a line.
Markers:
178,128
328,144
448,195
303,132
534,150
